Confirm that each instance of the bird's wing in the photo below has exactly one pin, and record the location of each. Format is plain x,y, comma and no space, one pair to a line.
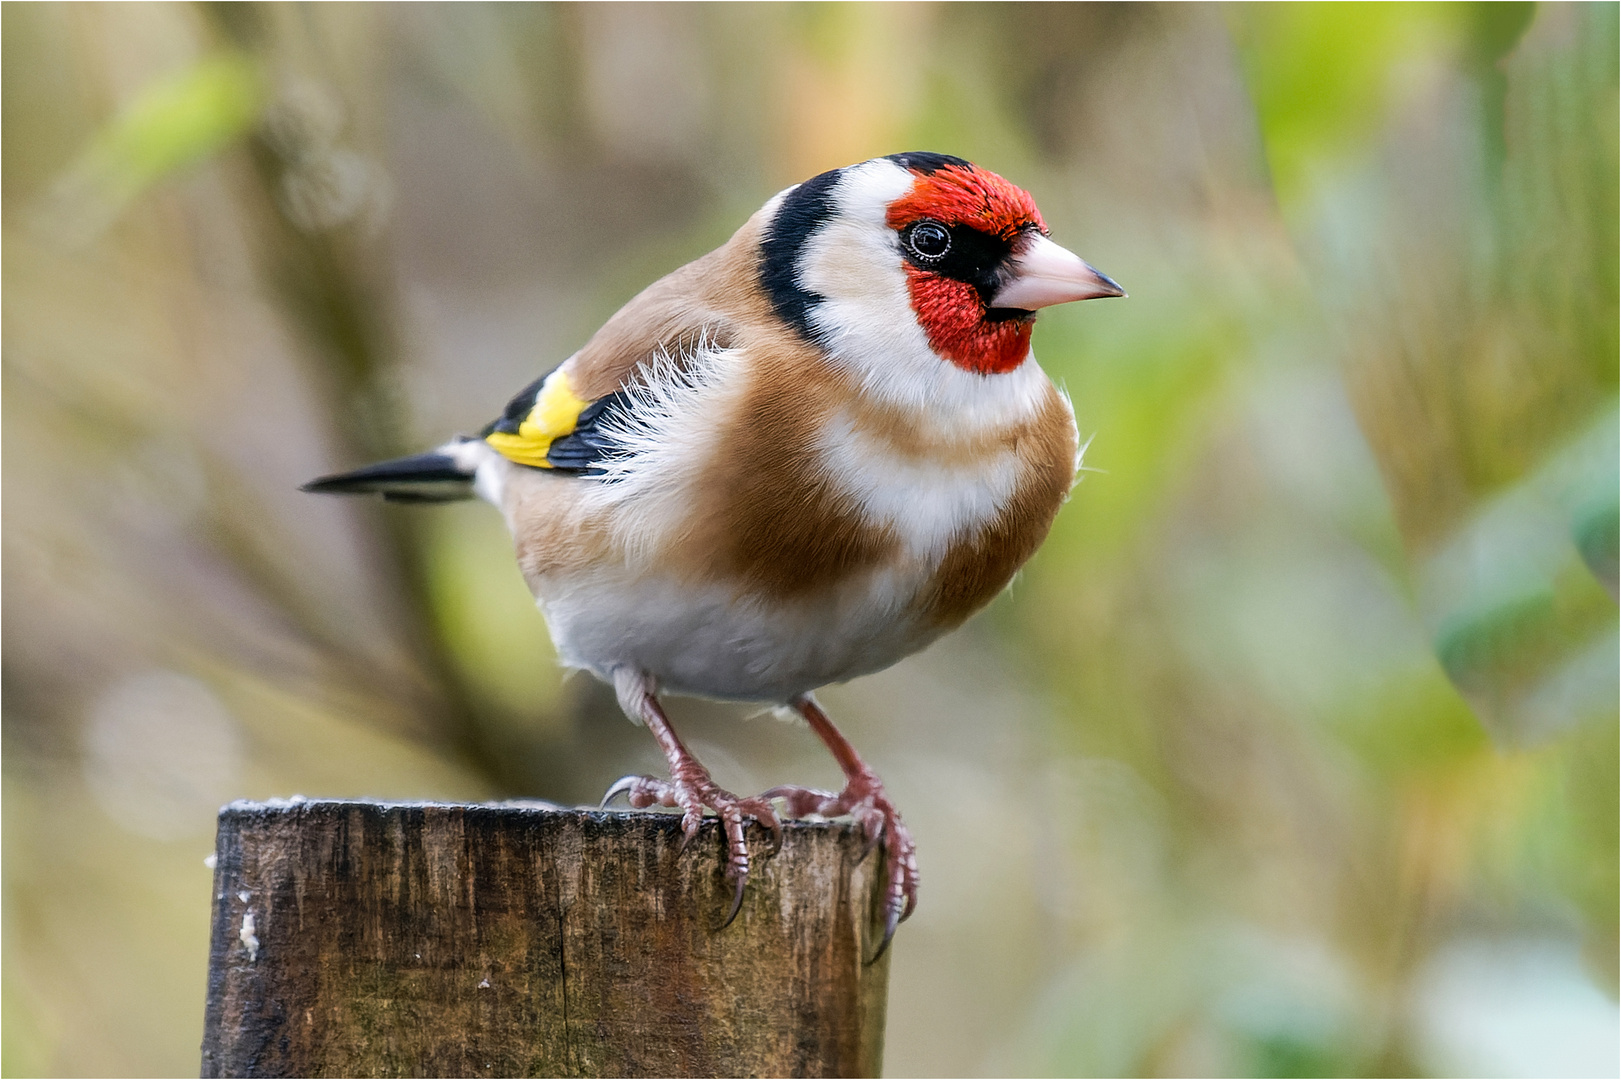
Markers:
565,420
549,426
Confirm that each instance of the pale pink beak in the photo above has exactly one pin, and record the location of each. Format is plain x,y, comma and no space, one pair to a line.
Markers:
1045,274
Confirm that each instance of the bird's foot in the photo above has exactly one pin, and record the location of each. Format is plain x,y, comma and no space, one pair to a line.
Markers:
692,791
865,801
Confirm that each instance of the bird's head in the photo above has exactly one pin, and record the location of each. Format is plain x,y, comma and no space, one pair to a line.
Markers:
876,261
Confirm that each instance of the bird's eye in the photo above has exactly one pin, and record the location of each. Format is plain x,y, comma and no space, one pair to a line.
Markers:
928,240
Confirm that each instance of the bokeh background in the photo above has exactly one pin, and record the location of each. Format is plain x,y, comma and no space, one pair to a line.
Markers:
1294,751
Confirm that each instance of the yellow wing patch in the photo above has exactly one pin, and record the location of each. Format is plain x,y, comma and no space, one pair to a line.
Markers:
557,409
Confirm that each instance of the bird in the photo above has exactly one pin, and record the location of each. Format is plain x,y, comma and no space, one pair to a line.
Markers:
791,462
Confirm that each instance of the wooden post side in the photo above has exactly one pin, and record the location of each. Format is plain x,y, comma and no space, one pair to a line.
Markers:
371,939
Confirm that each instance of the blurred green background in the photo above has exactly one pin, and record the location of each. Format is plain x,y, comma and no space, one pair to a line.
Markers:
1294,751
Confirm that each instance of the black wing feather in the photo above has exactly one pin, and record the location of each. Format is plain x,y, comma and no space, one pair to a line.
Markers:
516,409
582,451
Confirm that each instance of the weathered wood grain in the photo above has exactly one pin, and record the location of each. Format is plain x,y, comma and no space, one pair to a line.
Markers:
370,939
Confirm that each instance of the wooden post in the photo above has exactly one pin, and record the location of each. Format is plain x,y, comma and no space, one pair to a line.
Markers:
389,939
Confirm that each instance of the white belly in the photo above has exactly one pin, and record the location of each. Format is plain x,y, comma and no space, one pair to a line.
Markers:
711,642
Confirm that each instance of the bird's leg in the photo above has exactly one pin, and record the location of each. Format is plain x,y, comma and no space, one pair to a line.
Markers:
863,798
689,787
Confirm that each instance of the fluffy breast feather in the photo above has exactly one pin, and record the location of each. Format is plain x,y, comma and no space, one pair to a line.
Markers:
980,562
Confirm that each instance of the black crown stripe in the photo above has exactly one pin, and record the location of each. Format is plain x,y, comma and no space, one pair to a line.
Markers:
927,162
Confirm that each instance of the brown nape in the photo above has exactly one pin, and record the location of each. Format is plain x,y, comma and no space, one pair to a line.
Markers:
975,570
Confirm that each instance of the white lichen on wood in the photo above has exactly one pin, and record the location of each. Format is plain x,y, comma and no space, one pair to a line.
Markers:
250,940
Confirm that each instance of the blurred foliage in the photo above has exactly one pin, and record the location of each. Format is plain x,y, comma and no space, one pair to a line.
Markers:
169,125
1294,752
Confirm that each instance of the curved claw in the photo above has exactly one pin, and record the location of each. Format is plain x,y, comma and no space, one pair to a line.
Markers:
769,819
737,902
891,920
622,786
864,800
687,833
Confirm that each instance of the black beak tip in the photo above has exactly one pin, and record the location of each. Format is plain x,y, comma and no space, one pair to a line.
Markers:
1109,283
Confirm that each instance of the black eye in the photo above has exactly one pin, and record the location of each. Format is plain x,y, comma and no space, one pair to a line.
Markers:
928,240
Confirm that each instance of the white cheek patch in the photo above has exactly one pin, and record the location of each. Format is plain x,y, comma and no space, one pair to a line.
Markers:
928,503
856,267
865,321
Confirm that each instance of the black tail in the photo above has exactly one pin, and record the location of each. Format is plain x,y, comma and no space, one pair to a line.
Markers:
431,477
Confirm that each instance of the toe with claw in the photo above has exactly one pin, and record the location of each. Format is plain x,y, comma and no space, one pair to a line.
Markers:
864,800
692,791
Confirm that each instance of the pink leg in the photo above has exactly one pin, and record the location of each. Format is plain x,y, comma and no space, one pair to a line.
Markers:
863,798
689,786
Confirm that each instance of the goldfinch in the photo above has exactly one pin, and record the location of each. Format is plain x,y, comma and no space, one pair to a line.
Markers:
793,461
